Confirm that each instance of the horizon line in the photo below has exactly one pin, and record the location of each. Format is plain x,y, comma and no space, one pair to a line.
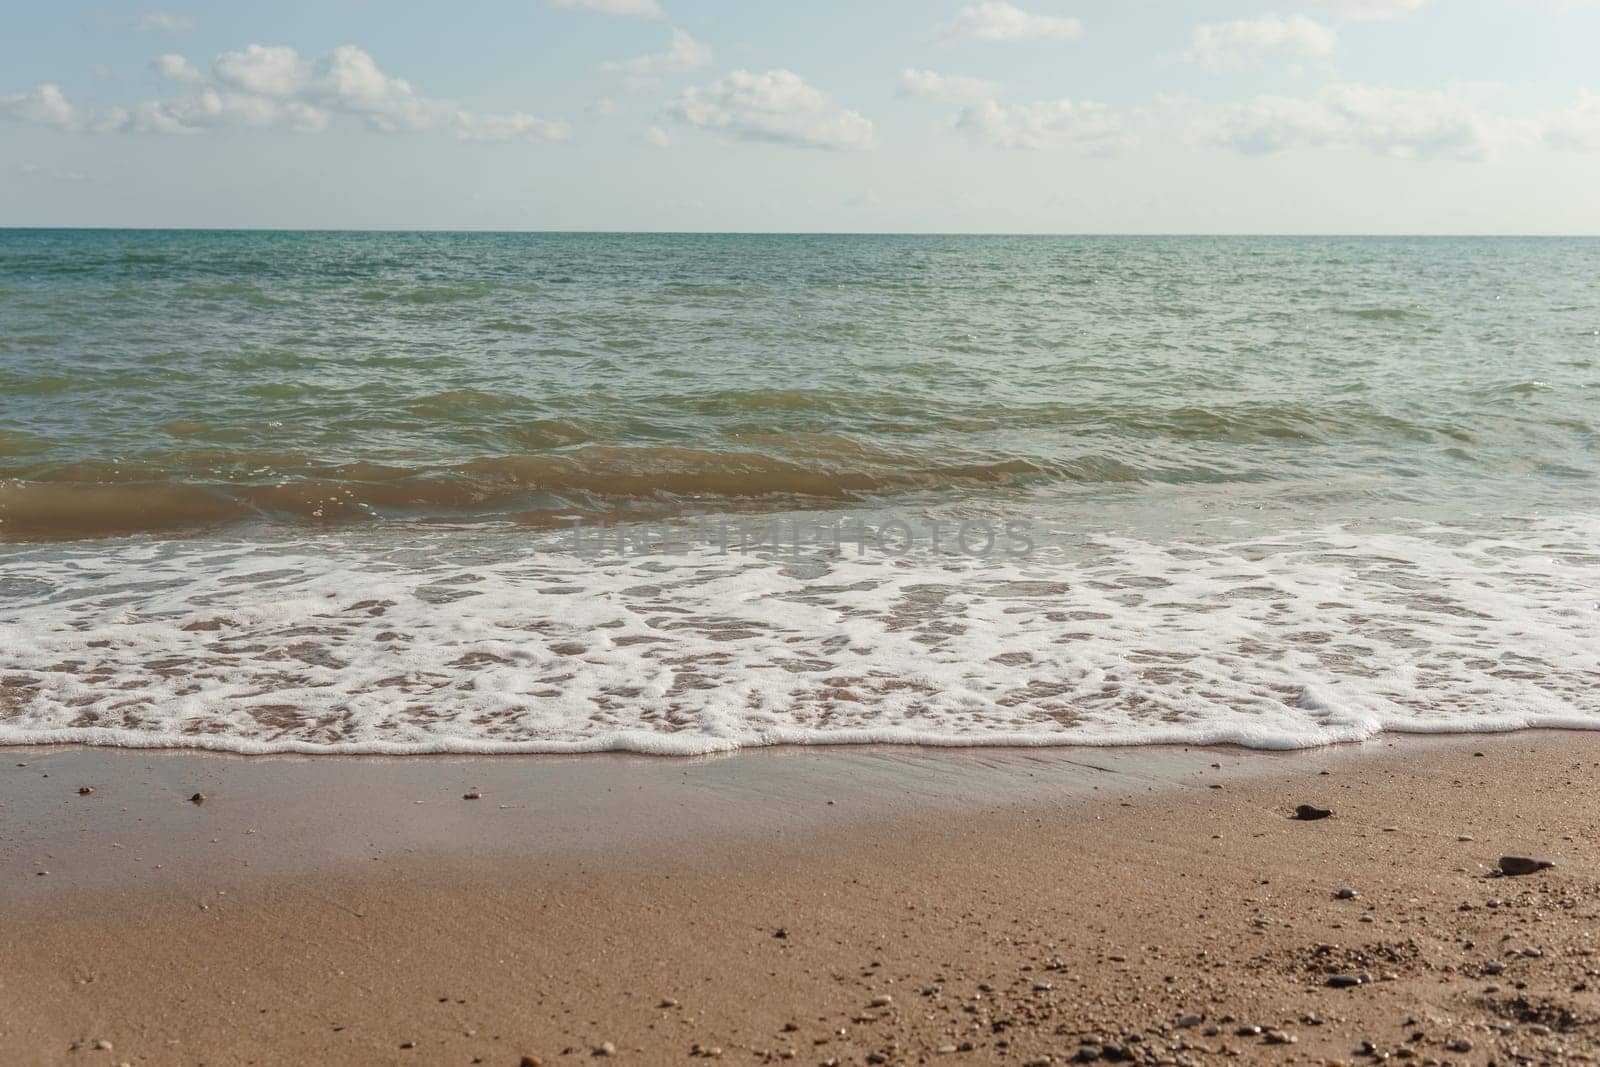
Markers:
799,233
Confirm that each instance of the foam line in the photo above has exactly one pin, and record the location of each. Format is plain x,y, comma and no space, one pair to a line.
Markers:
330,646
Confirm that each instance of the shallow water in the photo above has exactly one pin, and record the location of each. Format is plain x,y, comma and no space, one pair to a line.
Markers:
311,491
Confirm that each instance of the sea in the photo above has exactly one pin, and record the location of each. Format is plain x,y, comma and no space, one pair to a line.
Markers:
326,492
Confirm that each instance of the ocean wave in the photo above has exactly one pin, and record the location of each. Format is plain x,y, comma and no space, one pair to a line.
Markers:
1383,314
204,488
453,643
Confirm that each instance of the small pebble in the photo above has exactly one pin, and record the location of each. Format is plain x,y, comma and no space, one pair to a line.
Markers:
605,1048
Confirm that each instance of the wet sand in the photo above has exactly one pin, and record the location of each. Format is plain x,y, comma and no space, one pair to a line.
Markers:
868,905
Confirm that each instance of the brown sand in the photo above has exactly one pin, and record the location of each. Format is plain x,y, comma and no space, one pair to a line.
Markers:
1014,905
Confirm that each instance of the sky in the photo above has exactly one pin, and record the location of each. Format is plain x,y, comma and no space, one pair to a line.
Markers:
1032,116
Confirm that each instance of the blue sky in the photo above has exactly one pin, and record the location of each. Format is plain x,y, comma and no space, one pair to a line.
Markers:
1366,116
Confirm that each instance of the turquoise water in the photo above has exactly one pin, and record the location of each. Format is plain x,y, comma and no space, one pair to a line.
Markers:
311,490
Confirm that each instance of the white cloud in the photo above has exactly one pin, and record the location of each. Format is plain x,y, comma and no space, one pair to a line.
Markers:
263,87
1372,9
346,80
777,107
273,85
513,126
211,109
44,106
175,68
642,8
1404,123
683,53
997,20
1082,125
951,90
165,22
267,70
1219,45
349,80
656,137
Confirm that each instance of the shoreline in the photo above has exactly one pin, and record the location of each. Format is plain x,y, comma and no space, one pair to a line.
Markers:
650,746
1026,903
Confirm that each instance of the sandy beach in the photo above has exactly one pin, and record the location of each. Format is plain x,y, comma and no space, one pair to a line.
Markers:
849,905
1018,532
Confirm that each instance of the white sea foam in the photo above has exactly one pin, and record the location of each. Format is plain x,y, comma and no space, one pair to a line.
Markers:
320,645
